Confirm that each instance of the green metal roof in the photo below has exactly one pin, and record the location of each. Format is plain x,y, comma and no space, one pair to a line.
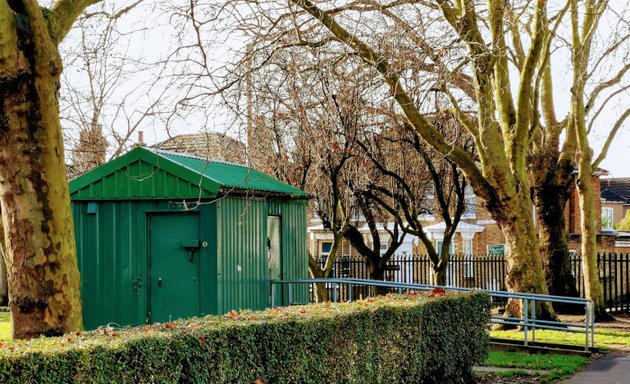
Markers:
230,175
145,173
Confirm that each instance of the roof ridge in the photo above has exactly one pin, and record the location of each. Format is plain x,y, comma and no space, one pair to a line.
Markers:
613,179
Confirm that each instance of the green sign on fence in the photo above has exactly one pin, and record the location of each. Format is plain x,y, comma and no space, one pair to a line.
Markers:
496,250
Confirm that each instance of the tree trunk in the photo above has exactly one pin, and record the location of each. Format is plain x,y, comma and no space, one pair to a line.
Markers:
524,267
592,285
377,272
44,287
321,293
550,199
4,288
439,276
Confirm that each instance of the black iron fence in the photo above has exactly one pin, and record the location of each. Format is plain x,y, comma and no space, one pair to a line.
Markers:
487,272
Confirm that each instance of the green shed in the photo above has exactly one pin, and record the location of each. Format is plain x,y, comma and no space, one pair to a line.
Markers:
164,235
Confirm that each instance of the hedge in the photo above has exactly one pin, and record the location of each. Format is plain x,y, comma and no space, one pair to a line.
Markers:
412,338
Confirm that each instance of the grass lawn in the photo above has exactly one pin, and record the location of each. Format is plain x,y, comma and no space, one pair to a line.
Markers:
5,326
605,339
549,366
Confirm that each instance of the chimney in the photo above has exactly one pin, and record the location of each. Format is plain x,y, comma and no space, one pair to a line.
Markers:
141,139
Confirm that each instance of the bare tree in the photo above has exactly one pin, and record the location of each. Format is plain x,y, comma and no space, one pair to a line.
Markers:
499,59
106,97
411,171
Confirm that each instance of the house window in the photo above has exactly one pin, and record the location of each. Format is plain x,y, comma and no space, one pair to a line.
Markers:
467,248
384,247
607,218
428,208
470,211
440,243
325,248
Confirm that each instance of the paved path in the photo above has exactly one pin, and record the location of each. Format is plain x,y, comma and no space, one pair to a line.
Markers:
613,368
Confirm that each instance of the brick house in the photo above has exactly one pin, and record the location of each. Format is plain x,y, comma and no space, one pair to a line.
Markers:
479,234
615,200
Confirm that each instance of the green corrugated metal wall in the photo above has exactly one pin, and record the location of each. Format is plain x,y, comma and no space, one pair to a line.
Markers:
294,242
140,180
112,249
243,280
112,253
241,254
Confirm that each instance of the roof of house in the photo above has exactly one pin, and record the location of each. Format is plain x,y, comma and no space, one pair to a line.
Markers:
149,173
462,226
208,145
616,186
611,197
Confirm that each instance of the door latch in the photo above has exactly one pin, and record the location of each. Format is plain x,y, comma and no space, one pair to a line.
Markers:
159,282
191,246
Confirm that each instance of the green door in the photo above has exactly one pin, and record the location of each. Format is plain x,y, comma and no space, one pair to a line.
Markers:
274,256
173,266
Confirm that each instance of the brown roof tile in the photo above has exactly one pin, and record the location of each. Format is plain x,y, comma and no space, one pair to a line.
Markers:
208,145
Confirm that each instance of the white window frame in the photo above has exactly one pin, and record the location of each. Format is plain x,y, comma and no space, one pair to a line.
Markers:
323,254
468,265
608,217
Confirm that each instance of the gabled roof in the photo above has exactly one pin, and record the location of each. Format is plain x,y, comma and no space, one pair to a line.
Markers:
619,186
230,175
145,173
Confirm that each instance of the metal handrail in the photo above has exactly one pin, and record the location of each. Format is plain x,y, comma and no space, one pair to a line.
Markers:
528,322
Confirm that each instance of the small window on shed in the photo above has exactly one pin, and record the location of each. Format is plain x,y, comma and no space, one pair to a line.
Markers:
91,208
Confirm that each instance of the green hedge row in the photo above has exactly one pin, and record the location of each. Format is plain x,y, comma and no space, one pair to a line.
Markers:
410,338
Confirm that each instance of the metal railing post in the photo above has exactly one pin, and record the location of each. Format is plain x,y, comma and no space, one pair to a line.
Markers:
592,304
587,319
534,321
334,292
525,320
273,296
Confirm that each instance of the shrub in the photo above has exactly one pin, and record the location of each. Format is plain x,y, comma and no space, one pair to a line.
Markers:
409,338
